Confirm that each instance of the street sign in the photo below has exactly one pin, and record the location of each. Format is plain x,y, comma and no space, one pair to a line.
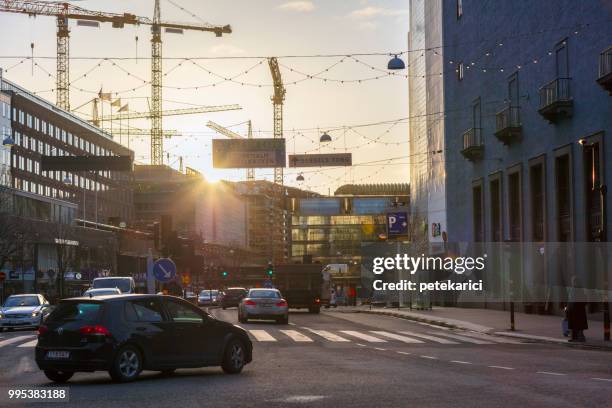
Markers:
164,270
248,153
397,224
321,160
186,279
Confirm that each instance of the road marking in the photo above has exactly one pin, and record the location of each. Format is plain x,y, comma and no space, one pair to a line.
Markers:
380,349
501,367
396,337
429,357
328,335
462,338
460,362
549,373
291,324
29,343
404,352
427,337
14,340
490,338
296,336
363,336
601,379
359,344
261,335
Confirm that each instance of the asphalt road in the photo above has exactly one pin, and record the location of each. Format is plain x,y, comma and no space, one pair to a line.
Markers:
348,360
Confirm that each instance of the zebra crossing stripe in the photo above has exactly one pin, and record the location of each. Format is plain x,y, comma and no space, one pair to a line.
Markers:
363,336
296,336
261,335
14,340
397,337
29,343
428,337
462,338
328,335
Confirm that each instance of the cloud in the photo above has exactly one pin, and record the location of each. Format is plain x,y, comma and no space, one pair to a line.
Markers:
298,6
226,49
371,11
367,25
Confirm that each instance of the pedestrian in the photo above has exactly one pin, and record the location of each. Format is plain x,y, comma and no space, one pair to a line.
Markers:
576,313
332,299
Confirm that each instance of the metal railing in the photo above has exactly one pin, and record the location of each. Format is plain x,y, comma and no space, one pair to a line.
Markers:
472,138
605,62
508,117
556,90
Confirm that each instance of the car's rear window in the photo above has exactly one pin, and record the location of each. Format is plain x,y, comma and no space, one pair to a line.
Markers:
235,292
264,294
123,284
76,311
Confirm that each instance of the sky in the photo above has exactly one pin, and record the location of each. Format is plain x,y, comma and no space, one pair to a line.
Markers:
117,60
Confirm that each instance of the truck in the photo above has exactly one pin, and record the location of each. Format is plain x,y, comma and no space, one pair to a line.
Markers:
302,286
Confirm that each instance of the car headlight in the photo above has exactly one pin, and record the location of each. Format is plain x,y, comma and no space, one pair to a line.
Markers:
1,315
35,314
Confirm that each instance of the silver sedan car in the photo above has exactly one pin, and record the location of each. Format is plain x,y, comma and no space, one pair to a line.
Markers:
265,304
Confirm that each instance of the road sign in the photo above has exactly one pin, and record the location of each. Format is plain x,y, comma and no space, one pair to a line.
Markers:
2,276
397,224
164,270
248,153
320,160
186,279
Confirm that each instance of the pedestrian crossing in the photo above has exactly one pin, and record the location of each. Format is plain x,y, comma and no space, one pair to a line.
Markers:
300,334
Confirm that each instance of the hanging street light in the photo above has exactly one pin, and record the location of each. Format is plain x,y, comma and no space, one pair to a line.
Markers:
325,138
8,141
299,177
396,63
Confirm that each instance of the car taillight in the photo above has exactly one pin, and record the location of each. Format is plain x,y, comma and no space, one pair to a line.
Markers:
282,303
42,330
249,303
95,330
317,300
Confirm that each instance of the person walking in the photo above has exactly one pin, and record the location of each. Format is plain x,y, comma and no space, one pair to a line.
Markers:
576,313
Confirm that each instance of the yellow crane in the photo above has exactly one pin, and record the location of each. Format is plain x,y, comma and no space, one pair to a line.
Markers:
277,101
168,112
64,12
233,135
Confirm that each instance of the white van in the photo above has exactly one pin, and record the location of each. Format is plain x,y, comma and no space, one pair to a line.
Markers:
125,284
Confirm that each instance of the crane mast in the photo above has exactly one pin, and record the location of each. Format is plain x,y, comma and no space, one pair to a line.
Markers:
157,153
277,102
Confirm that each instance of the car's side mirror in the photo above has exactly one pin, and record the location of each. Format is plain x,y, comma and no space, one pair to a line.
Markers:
46,305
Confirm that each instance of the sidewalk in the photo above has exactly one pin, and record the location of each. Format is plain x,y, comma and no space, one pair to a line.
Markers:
527,326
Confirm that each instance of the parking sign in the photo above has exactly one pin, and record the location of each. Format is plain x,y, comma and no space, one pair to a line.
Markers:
397,224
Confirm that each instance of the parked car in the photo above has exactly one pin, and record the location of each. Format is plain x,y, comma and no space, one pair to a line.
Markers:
125,284
232,297
25,311
267,304
125,334
191,297
101,292
208,298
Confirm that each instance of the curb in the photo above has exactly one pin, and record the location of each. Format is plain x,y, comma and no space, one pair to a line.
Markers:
532,338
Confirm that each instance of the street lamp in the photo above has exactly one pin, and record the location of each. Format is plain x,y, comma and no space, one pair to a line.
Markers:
396,63
299,177
325,138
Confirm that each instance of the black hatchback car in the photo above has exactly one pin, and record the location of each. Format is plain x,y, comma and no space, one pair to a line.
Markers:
232,297
125,334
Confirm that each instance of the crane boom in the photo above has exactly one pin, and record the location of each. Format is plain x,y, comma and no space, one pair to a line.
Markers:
277,101
171,112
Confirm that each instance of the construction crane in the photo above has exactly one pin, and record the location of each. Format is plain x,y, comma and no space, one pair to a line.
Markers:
233,135
64,12
171,112
277,101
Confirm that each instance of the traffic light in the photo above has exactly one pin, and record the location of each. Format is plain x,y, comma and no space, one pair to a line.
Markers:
225,274
270,269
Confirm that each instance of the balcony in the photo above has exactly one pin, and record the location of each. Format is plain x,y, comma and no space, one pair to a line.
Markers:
473,146
556,100
605,70
508,126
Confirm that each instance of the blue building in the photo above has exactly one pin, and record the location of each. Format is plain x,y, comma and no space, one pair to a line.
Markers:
511,107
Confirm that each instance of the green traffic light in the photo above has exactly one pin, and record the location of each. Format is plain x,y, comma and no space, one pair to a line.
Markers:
270,272
225,273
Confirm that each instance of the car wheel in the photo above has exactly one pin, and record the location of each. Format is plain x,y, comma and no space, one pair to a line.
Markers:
127,365
283,320
59,376
234,357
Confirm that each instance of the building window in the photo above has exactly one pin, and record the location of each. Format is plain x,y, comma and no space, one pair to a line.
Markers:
514,206
537,194
562,60
459,9
563,181
496,208
593,180
478,211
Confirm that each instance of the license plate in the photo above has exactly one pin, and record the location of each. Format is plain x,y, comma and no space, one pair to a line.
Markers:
58,355
267,305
